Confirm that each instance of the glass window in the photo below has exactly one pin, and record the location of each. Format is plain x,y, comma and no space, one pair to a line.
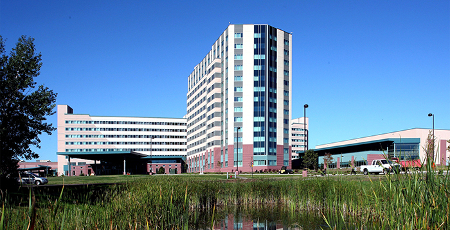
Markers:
238,46
238,56
259,56
238,67
238,35
237,78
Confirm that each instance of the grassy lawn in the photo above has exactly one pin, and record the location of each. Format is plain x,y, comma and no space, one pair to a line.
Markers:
192,176
93,179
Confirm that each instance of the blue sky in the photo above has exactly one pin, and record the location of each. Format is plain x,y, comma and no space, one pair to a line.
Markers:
364,67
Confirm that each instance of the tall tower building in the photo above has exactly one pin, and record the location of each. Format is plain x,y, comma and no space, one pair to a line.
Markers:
239,102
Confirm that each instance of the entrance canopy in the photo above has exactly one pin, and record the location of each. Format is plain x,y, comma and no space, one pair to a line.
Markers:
104,156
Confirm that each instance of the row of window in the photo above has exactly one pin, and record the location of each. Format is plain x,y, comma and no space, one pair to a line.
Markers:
122,143
298,129
126,150
125,129
127,136
125,123
298,140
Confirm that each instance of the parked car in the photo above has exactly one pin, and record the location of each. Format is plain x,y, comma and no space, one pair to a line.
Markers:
380,166
285,171
31,178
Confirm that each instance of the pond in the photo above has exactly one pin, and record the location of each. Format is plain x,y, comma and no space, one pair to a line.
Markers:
269,217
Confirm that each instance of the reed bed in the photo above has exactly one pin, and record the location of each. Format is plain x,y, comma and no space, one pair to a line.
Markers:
402,201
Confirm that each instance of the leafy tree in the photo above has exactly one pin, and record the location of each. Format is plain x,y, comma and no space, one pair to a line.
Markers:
161,170
328,159
311,159
23,106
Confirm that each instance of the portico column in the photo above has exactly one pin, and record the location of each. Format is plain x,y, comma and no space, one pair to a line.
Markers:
124,166
69,168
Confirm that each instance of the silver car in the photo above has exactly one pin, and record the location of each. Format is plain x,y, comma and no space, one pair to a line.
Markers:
31,178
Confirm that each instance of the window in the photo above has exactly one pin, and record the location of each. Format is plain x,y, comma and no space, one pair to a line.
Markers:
259,56
238,57
237,109
238,35
258,67
238,99
237,78
286,42
237,89
257,35
286,93
259,89
237,119
238,67
286,102
273,48
238,46
286,52
258,138
286,73
258,118
286,63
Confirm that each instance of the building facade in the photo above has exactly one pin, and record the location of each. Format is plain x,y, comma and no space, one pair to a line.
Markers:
299,136
145,140
239,102
408,144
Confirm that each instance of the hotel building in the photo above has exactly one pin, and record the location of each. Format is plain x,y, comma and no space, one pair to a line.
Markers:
299,136
116,145
239,102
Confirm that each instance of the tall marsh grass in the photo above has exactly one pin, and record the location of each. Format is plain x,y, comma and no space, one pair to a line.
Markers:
400,201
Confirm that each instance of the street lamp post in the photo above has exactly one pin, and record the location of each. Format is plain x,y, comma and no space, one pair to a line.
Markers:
304,125
151,160
237,149
432,115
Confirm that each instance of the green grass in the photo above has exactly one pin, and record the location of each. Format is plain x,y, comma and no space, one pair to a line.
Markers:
192,201
94,179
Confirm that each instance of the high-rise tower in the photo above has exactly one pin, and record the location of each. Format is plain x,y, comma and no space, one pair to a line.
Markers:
239,102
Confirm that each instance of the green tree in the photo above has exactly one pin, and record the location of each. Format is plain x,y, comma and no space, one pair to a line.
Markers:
161,170
328,159
24,106
311,159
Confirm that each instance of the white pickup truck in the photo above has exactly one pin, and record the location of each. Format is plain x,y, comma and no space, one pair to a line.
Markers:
380,166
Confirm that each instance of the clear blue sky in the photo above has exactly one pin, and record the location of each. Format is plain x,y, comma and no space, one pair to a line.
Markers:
364,67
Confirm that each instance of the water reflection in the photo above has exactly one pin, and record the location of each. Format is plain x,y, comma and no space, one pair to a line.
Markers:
271,217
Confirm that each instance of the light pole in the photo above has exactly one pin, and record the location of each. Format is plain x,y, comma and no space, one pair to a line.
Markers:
432,115
151,160
237,149
304,124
